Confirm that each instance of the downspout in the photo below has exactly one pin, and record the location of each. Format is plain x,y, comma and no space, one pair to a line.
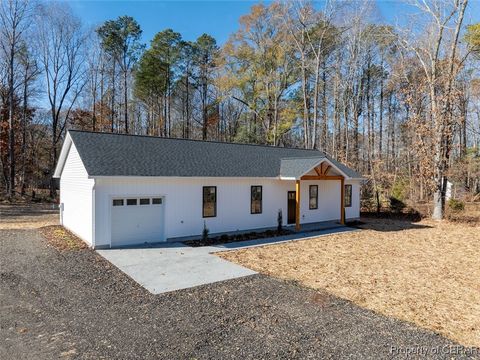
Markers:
93,213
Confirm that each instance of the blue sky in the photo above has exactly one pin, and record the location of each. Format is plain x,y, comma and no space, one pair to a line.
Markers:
195,17
190,18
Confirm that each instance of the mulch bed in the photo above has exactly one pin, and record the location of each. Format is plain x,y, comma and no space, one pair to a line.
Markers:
61,239
225,239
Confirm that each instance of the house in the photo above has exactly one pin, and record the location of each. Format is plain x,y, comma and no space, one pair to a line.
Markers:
118,190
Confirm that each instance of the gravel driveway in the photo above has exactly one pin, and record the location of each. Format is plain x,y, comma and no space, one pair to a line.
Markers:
76,305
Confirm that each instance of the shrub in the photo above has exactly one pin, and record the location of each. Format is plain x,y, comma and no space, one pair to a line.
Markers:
205,232
366,197
279,221
224,237
456,205
396,205
400,189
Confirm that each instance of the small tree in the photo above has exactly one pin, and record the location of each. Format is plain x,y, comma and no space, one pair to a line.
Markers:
205,232
456,205
279,221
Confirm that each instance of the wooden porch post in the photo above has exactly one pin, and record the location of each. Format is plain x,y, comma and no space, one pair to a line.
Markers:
297,205
342,200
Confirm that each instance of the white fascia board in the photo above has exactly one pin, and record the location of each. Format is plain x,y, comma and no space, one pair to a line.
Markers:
332,165
63,156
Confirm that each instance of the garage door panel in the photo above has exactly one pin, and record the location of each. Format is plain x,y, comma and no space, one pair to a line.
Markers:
136,224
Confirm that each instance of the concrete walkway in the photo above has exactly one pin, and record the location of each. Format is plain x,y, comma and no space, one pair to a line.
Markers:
173,266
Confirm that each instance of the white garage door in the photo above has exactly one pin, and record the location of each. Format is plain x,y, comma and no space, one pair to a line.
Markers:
137,220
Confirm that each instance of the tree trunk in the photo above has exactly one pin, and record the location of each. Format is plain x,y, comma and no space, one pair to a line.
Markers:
24,131
306,107
187,105
380,118
324,108
125,97
53,156
112,115
204,108
101,95
11,130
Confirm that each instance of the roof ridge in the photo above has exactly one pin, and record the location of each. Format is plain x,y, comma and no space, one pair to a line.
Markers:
320,156
193,140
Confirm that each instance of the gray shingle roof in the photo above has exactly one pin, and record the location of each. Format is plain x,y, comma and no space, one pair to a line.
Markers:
345,169
107,154
294,166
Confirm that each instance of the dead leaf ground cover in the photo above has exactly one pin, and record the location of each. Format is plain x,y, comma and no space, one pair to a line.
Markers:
427,273
62,239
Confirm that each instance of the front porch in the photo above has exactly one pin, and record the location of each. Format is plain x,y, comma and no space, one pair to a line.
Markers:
313,171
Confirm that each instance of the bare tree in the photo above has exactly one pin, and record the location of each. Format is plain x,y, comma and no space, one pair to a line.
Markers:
437,54
14,15
61,41
29,72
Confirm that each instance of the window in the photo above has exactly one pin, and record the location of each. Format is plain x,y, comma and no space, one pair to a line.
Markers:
131,201
117,202
144,201
256,200
209,201
156,201
348,195
313,202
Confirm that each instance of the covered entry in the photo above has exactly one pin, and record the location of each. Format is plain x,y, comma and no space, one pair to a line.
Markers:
315,173
292,207
137,220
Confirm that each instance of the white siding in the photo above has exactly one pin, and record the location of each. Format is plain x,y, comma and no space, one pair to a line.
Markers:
328,201
76,197
353,212
183,203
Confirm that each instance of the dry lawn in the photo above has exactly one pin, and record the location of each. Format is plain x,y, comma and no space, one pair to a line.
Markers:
427,273
27,216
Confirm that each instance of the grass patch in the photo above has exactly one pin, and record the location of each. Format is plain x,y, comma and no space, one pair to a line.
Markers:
426,272
62,239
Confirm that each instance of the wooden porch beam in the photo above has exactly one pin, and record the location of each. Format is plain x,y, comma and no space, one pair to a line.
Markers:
342,201
321,177
297,205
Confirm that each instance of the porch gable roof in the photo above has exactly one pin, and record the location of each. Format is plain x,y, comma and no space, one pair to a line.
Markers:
295,168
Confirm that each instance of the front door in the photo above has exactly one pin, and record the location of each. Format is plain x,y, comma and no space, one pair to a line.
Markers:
291,207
